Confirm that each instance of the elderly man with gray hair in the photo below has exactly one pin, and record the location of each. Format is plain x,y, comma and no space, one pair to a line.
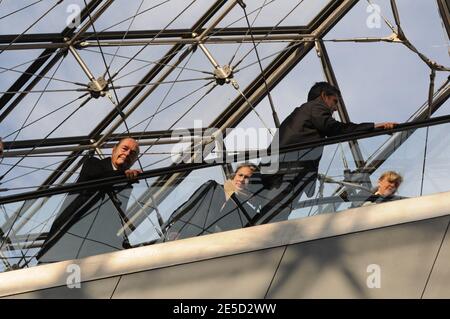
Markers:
88,221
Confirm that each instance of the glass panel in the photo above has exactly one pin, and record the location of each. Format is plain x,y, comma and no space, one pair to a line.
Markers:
41,16
428,33
299,13
214,199
375,80
375,76
151,15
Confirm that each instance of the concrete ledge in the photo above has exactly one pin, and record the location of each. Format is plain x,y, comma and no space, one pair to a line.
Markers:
228,243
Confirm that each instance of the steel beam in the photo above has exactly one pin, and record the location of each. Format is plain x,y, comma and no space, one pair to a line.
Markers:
104,182
23,80
394,142
83,66
58,38
342,109
255,92
268,38
85,140
78,148
36,65
397,139
97,132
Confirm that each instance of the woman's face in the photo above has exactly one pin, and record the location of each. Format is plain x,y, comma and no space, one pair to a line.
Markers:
241,177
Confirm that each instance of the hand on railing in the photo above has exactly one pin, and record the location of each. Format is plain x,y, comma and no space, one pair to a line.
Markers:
132,173
386,125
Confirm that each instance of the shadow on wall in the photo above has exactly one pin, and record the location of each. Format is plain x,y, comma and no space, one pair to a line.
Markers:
346,266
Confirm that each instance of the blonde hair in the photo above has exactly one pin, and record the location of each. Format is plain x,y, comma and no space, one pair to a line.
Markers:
392,177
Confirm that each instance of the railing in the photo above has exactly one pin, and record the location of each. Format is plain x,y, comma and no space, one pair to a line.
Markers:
94,217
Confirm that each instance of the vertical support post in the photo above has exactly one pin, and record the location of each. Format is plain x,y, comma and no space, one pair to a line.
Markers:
342,110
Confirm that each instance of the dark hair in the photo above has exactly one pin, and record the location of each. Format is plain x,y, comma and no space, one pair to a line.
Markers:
324,87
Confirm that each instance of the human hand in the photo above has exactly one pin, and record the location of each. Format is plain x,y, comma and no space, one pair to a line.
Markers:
132,173
386,125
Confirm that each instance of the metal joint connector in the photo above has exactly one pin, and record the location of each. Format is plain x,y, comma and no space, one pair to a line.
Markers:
98,87
223,74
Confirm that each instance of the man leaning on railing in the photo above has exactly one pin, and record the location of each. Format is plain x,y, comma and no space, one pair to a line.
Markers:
312,121
89,220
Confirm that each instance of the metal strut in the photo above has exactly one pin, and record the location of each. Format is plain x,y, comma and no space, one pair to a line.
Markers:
96,87
222,74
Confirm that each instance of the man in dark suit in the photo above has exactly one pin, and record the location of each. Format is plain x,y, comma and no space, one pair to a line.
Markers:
89,220
312,121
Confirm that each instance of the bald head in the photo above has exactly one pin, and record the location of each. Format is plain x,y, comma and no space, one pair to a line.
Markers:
125,153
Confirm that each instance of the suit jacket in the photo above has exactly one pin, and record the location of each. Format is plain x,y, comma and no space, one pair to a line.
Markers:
94,168
297,171
309,122
88,221
312,121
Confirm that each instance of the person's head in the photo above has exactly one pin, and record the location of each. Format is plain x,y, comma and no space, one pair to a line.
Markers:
325,92
242,174
125,153
388,183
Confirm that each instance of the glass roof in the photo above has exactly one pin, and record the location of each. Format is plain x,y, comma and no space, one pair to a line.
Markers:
163,79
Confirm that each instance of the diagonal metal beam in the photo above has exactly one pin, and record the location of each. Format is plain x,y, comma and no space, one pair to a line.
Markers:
393,143
157,140
97,132
254,93
37,64
95,184
153,73
24,78
342,110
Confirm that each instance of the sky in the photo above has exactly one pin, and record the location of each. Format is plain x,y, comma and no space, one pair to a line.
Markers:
379,82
